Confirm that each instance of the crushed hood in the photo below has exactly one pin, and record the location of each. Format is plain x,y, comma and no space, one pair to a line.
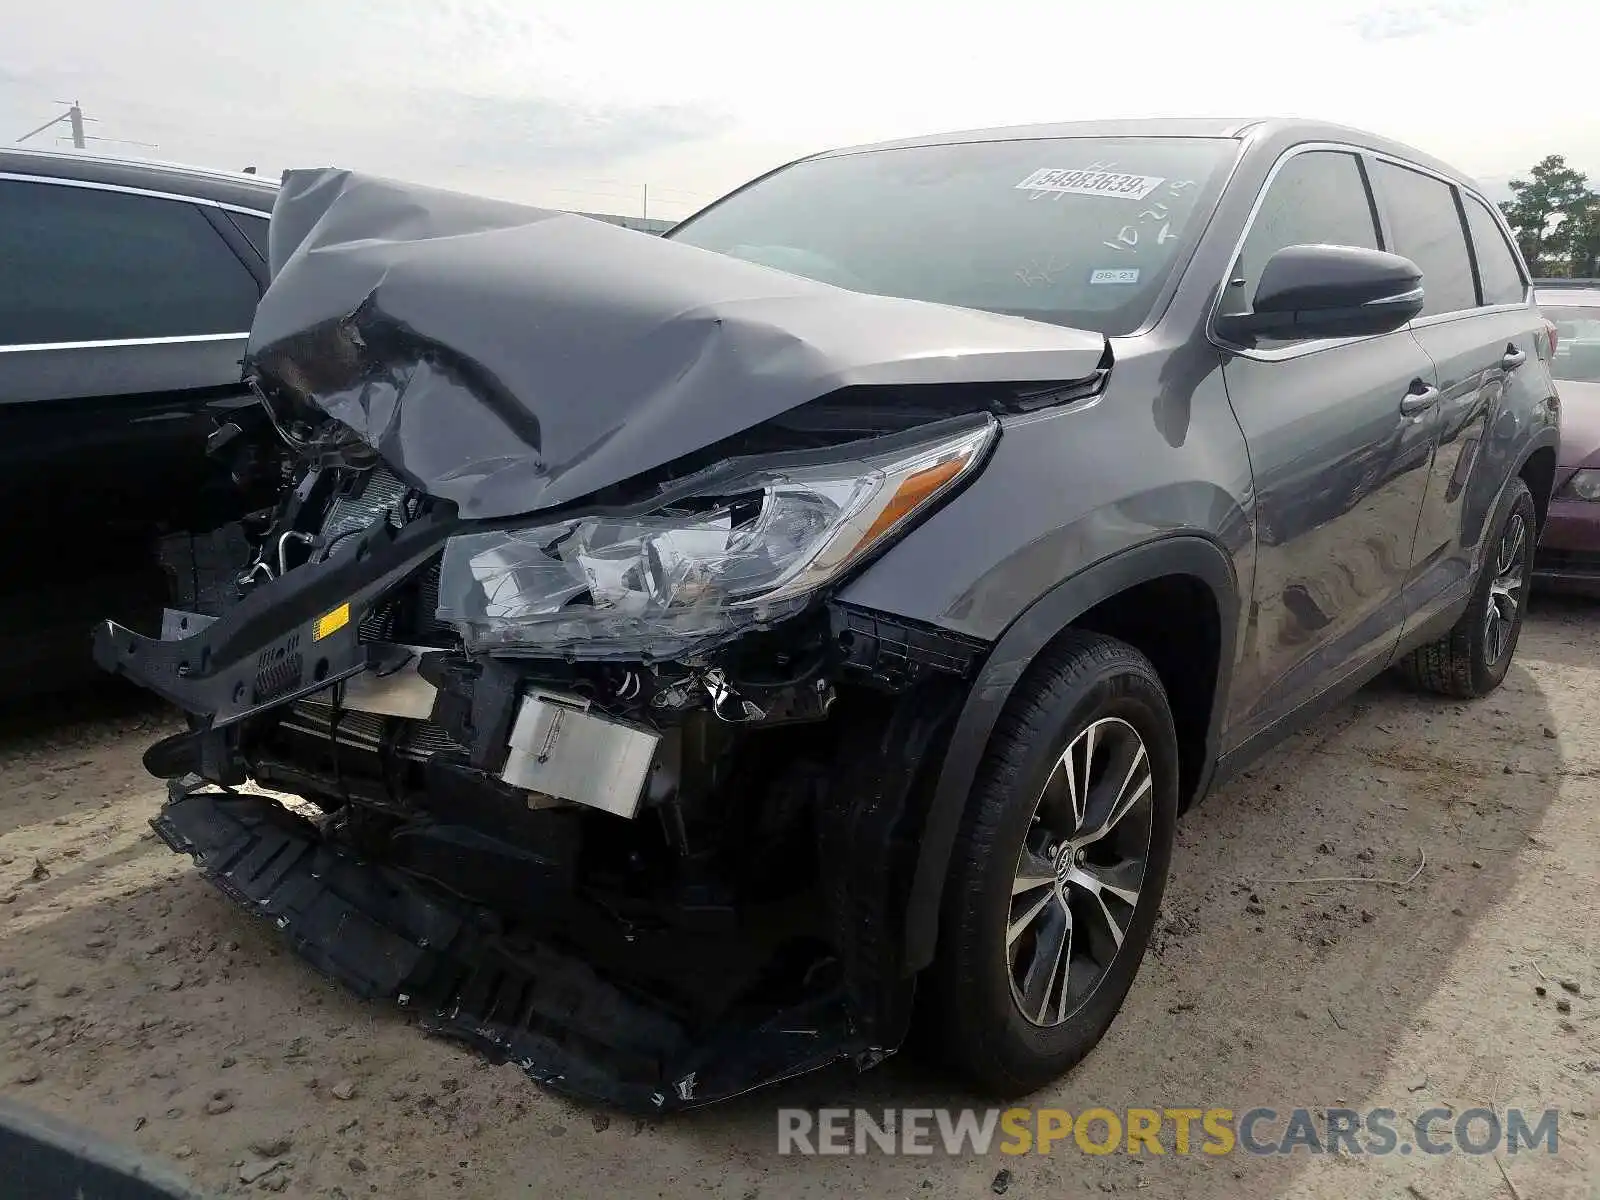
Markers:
509,358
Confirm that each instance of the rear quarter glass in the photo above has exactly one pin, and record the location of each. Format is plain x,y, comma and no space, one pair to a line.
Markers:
1577,356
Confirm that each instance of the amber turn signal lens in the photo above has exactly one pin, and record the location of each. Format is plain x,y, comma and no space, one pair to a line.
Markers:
910,496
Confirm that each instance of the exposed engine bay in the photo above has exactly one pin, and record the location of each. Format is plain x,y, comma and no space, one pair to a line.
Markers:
611,786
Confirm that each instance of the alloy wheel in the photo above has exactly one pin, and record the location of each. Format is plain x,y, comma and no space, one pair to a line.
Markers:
1505,589
1080,871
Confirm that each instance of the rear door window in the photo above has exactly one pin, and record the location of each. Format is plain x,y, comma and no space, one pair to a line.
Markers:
1428,230
1498,273
84,264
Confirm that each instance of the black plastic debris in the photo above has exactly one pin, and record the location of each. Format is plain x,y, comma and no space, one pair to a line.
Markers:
384,936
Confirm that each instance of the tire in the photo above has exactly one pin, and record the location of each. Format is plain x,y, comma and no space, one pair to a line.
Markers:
977,990
1472,659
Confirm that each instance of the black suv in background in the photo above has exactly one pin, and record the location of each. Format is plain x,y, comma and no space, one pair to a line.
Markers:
126,294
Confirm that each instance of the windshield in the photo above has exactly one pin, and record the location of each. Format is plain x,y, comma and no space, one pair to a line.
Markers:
1577,357
1077,231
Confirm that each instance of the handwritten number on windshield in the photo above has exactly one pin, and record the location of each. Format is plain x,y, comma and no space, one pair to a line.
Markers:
1128,236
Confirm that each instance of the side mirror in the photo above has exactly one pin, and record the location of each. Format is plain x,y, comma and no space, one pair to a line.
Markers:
1329,291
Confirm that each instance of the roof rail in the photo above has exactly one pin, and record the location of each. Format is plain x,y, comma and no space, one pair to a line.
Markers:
149,164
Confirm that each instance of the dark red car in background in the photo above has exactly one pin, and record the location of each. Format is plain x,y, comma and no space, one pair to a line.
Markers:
1569,551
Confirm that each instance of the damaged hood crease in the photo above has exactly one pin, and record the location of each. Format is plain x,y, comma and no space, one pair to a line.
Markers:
510,359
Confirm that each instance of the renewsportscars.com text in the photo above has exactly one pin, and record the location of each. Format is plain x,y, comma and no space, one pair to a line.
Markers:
1159,1131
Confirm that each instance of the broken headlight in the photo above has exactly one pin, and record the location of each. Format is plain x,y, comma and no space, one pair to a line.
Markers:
742,551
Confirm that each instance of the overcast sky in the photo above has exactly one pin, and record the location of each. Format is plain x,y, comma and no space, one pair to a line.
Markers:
582,104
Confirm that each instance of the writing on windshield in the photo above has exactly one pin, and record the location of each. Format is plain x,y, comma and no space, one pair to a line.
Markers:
1082,231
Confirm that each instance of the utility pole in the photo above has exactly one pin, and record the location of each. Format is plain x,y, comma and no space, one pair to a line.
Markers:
73,116
644,210
75,122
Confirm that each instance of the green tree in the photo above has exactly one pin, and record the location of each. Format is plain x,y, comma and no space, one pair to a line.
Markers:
1581,233
1553,214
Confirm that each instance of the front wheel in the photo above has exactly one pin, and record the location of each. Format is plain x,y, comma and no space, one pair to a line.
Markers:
1059,867
1472,659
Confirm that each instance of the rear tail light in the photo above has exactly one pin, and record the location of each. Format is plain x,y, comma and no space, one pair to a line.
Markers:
1550,336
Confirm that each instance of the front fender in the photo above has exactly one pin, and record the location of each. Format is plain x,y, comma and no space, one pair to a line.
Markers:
1017,648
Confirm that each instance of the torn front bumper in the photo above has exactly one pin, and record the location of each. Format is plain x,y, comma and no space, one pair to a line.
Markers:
551,743
515,998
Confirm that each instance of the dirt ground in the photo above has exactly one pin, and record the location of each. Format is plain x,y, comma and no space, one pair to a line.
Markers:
137,1000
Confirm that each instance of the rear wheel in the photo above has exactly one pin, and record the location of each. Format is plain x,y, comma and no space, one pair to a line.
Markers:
1059,867
1474,656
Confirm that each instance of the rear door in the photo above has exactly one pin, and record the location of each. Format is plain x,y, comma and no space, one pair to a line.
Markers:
123,319
1481,332
1340,452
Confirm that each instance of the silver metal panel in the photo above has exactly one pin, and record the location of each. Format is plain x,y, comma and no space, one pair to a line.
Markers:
401,693
561,749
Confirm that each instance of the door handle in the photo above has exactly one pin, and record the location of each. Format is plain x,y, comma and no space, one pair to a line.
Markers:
1513,358
1420,398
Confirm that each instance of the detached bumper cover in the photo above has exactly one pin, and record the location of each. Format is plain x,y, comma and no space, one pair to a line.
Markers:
384,937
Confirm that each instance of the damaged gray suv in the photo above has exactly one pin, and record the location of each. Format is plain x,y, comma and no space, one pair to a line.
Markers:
689,661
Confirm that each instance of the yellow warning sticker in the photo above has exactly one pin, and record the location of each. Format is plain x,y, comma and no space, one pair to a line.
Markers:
331,622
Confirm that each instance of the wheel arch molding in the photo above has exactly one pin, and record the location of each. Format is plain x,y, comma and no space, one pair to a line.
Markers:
1540,477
